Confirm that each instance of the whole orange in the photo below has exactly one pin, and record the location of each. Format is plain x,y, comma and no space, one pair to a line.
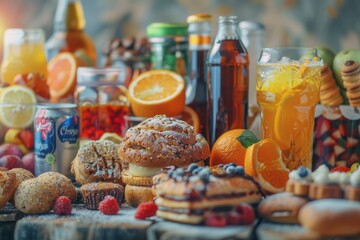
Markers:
228,149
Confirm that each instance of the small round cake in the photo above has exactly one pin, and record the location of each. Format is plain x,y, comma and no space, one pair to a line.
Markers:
94,193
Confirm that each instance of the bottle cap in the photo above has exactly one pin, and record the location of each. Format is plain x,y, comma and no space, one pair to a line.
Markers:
200,17
167,29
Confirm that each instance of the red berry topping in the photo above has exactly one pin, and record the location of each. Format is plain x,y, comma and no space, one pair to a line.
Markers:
63,206
234,218
247,214
109,206
145,210
215,220
340,169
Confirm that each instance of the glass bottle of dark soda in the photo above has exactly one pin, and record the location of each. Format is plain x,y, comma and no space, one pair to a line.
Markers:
228,80
199,45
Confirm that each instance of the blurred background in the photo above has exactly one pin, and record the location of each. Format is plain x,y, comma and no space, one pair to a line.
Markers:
334,23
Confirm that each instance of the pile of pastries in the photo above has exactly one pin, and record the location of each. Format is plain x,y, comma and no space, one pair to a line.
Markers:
161,160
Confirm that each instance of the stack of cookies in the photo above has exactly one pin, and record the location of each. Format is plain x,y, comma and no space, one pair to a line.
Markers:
329,91
350,73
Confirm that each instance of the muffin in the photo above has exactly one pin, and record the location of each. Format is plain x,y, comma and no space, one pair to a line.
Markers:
63,185
94,193
153,144
97,161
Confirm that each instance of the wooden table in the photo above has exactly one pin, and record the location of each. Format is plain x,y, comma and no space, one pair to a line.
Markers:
93,225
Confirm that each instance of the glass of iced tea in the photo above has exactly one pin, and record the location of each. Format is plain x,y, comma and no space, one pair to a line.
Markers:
287,88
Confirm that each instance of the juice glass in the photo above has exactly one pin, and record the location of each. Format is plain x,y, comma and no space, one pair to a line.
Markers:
24,52
287,88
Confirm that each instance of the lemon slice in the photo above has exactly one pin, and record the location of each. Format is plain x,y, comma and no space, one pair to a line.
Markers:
17,106
111,137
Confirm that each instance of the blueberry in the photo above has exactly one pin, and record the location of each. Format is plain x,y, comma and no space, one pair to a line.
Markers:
171,174
239,170
180,172
230,169
196,170
204,174
192,166
302,171
233,164
221,165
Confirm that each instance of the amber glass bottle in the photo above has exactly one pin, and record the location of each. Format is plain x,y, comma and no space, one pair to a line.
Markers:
199,46
69,35
228,80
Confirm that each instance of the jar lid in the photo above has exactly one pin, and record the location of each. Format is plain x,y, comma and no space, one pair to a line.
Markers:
167,29
200,17
249,25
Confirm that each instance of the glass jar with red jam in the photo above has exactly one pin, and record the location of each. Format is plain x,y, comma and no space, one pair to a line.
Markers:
102,102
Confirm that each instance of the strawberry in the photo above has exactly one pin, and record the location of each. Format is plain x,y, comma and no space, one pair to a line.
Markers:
340,169
27,138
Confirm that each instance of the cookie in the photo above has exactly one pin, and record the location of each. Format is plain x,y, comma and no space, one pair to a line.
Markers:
281,208
331,217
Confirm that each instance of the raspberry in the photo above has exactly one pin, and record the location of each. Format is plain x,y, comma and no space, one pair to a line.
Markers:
145,210
109,206
62,206
247,212
215,220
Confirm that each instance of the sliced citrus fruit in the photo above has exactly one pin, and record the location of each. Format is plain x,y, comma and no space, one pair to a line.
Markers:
115,138
191,117
18,106
157,92
264,162
62,75
228,148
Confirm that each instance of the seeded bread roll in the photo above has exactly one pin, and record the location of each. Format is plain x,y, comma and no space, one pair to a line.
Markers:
21,175
35,196
7,186
97,161
160,141
63,185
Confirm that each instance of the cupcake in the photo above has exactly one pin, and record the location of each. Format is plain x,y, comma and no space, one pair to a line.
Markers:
352,190
94,193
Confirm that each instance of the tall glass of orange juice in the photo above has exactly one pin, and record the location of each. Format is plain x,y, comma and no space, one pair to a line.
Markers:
287,87
24,52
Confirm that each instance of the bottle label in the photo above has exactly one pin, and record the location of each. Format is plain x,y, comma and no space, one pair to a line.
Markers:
68,130
45,141
199,40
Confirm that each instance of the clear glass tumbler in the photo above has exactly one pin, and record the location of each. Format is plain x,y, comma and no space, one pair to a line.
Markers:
287,86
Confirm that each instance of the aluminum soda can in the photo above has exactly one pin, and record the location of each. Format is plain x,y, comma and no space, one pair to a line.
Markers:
56,128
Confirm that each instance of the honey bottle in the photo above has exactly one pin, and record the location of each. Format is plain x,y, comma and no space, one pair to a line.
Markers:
228,80
69,35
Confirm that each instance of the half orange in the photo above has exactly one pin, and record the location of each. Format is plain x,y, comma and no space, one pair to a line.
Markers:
62,75
157,92
191,117
264,162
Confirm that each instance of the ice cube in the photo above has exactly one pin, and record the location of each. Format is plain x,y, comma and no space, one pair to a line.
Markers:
285,60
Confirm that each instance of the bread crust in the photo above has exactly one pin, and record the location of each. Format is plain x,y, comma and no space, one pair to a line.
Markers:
281,207
63,185
331,217
97,161
35,196
21,175
161,142
134,195
7,186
